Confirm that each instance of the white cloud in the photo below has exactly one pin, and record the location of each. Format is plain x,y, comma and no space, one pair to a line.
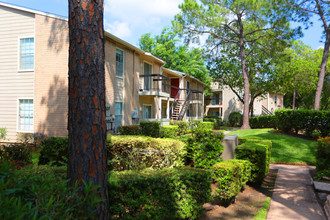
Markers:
120,29
320,47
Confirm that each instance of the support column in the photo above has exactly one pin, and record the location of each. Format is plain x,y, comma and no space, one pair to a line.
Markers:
168,109
203,105
156,107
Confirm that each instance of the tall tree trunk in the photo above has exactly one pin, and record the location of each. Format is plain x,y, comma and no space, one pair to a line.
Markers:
294,98
251,105
86,124
245,124
322,70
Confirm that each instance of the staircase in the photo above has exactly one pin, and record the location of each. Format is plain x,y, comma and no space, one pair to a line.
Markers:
179,108
176,111
265,111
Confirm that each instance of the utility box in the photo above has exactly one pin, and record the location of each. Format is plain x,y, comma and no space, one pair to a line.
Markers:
229,144
135,114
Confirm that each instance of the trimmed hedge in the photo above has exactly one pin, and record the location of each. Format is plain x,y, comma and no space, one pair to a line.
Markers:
16,153
54,151
235,119
169,131
182,125
231,176
217,121
289,120
258,152
129,129
263,121
138,152
159,194
150,128
323,156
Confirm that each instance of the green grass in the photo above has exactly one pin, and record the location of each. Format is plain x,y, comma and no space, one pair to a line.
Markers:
262,213
285,149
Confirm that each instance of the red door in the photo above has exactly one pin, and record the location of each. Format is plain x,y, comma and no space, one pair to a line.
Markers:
174,91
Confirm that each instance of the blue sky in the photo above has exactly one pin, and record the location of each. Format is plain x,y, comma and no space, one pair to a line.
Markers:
129,19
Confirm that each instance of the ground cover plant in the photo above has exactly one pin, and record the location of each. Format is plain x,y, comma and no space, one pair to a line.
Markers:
285,149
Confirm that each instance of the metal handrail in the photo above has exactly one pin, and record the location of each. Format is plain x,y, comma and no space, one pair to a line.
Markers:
175,102
184,105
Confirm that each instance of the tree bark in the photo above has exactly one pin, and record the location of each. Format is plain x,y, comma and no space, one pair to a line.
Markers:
251,105
86,123
245,124
322,70
294,98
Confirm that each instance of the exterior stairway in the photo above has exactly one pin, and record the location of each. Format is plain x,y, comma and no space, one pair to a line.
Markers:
265,111
176,111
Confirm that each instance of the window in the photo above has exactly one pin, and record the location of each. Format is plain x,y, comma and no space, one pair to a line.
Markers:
147,111
26,54
275,99
216,99
25,115
118,114
215,113
119,63
147,78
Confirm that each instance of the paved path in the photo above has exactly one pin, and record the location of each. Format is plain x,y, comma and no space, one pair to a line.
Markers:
294,197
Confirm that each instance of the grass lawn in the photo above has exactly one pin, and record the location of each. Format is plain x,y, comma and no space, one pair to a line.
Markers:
286,149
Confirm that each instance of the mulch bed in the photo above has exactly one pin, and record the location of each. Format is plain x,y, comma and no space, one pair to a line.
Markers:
247,204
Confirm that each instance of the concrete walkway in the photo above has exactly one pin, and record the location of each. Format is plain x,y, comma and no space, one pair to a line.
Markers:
294,197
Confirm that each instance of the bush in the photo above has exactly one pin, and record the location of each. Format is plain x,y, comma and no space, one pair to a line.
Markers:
323,156
129,130
230,176
19,154
263,121
150,128
303,120
204,147
204,125
182,125
217,121
235,119
258,152
54,151
42,193
3,133
132,152
169,131
159,194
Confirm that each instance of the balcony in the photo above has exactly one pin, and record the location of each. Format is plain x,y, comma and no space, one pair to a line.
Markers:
154,85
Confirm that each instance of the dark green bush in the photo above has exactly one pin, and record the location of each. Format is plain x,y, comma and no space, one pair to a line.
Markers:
303,120
258,152
54,151
42,193
217,121
159,194
204,147
231,176
169,131
17,153
150,128
263,121
182,125
139,152
323,156
235,119
129,130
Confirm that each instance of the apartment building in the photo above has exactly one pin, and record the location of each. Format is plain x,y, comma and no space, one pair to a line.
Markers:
223,101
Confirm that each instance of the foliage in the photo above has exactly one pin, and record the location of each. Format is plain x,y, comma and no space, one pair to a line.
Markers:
54,151
138,152
150,128
303,120
204,147
129,129
41,193
177,57
262,213
169,131
183,126
230,176
21,154
323,156
235,119
263,121
258,152
217,121
159,194
3,133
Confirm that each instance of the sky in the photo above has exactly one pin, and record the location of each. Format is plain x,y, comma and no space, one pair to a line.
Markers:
129,19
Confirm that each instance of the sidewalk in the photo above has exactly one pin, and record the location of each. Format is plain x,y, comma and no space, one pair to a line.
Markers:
294,197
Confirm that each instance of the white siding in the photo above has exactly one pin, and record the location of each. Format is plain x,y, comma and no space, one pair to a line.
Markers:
13,84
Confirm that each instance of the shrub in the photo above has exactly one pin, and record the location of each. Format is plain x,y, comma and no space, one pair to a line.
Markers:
204,147
169,131
159,194
19,154
303,120
3,133
132,152
230,176
150,128
42,193
217,121
323,156
182,125
258,152
54,151
263,121
129,130
235,119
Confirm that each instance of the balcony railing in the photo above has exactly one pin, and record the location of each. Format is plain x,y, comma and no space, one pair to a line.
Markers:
156,83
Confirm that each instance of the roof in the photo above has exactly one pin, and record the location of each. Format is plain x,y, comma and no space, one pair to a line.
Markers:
183,74
107,34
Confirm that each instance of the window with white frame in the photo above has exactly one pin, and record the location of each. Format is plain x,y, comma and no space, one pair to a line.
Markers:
147,71
25,115
118,114
26,53
119,63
